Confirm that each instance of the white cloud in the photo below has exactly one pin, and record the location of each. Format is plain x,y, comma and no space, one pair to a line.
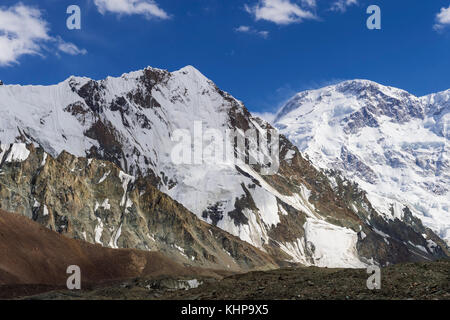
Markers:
69,48
309,3
442,18
243,29
148,8
267,116
280,11
341,5
250,30
23,31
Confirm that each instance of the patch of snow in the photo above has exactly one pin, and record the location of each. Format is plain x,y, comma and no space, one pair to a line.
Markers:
334,247
128,205
431,245
283,212
296,250
104,177
98,231
18,153
126,179
45,210
105,205
267,205
421,248
113,241
3,149
289,155
333,182
180,249
194,283
381,233
44,159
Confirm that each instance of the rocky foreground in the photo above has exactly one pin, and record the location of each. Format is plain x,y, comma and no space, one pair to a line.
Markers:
421,281
34,259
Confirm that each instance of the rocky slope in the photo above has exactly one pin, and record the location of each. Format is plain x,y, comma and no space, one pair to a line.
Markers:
35,258
393,144
299,214
95,201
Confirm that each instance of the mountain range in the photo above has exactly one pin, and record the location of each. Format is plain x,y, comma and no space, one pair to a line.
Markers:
93,160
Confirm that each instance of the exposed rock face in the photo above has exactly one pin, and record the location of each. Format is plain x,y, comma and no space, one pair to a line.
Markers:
95,201
393,144
296,215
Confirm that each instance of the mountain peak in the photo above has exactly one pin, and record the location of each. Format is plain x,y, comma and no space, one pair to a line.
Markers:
389,141
351,96
189,69
193,74
357,83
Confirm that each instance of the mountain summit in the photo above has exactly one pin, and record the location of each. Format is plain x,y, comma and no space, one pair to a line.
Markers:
393,144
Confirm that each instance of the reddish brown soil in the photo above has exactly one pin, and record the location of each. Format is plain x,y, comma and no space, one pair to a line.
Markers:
34,259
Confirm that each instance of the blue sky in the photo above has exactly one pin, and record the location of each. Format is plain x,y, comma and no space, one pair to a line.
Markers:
261,51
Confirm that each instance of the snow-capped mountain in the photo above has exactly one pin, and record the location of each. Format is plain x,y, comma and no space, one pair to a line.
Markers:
393,144
134,121
95,201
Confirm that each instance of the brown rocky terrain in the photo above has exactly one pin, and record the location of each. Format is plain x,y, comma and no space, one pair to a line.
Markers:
413,281
35,259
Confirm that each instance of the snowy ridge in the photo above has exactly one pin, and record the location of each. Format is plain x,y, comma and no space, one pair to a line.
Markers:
393,144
